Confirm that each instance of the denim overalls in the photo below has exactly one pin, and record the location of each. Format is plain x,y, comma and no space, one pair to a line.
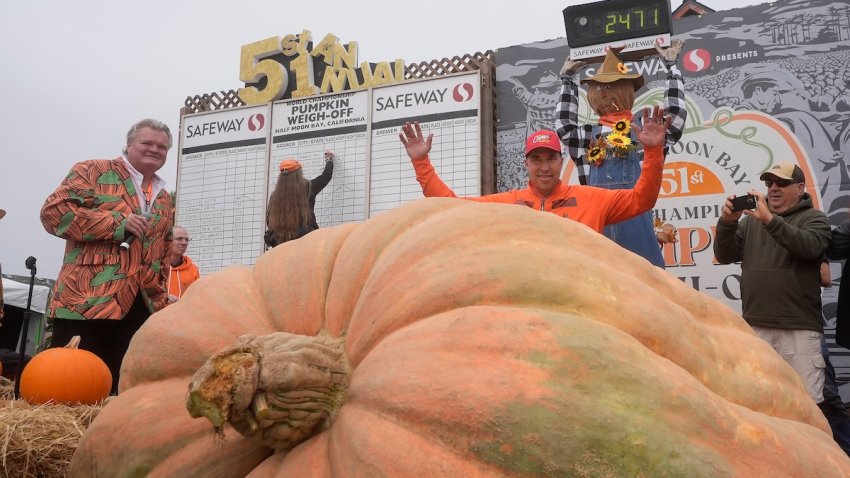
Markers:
636,234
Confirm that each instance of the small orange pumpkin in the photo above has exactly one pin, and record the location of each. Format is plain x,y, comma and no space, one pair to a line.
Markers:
66,375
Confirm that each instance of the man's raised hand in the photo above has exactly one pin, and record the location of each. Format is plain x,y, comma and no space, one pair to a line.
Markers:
414,142
655,126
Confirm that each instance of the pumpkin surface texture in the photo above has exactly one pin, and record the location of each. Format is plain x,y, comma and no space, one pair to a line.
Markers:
448,338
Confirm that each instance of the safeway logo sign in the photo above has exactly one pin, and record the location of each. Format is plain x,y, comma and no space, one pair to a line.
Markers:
697,60
256,122
462,92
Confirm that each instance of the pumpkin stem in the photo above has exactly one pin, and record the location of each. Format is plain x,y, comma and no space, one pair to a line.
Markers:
279,389
74,343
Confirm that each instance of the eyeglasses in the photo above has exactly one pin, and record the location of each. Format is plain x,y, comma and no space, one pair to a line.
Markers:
782,183
182,239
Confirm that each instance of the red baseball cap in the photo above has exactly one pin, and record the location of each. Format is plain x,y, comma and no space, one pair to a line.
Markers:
542,139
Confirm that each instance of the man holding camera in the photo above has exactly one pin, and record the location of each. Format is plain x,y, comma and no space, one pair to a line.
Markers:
780,243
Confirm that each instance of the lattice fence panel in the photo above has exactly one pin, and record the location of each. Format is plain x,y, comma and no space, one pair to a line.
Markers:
414,71
211,102
446,66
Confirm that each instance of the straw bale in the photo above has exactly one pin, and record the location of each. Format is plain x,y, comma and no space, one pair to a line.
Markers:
38,441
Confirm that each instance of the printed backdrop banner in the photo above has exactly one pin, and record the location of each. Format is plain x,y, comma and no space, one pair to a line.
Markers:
764,84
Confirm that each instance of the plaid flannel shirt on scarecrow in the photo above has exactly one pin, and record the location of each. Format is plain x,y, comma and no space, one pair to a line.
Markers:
578,138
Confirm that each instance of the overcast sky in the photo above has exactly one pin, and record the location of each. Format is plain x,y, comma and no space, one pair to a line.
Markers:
76,74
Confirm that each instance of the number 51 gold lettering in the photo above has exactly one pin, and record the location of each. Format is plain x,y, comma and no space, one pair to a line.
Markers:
252,68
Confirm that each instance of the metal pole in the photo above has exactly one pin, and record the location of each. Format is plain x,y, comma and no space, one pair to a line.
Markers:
30,264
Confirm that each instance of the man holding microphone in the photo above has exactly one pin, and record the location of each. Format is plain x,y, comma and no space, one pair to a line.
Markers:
106,290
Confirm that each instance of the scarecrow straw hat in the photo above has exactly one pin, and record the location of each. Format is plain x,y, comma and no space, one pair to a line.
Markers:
613,69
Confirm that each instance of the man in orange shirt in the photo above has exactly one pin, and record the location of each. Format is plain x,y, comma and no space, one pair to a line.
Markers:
183,271
592,206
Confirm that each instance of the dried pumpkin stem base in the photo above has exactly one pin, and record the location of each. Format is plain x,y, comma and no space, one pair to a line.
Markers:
278,389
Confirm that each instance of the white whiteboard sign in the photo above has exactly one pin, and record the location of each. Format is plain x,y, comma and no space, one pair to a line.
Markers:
228,160
305,128
448,107
221,185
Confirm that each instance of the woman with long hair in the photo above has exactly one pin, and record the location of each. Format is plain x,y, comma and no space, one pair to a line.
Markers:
290,214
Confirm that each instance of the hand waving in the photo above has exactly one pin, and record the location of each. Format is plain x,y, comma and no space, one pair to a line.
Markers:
414,142
654,128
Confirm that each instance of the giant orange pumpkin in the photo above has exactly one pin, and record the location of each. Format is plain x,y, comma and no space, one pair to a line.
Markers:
458,339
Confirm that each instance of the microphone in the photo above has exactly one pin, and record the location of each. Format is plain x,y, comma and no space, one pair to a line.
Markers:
125,246
30,263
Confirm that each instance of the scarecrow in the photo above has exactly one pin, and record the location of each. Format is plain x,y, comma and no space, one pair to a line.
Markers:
608,154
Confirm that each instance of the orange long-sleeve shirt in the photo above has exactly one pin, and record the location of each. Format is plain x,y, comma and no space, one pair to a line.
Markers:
589,205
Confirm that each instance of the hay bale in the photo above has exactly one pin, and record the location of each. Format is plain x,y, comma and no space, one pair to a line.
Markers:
39,441
7,390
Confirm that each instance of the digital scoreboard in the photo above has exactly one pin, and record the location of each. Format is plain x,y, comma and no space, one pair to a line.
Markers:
638,25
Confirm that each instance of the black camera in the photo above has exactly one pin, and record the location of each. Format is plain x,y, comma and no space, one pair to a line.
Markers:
747,201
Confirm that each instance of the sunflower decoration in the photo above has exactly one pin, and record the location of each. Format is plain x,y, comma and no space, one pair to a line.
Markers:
618,141
620,144
596,154
622,127
621,67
